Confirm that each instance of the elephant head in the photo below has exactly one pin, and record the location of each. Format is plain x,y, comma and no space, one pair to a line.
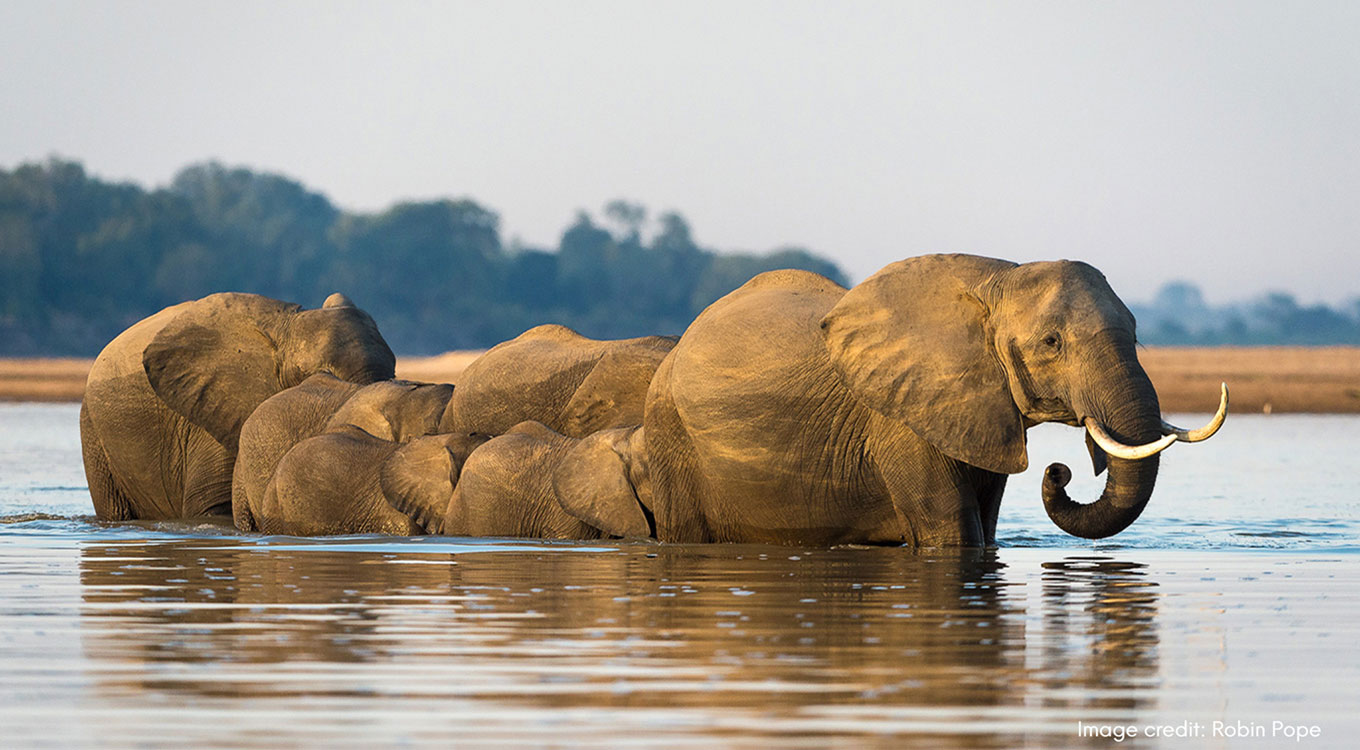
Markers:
419,478
969,352
223,355
348,481
395,410
603,481
531,481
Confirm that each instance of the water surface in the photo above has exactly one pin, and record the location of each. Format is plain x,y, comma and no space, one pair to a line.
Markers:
1232,600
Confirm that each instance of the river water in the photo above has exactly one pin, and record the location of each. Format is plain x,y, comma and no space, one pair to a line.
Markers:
1226,617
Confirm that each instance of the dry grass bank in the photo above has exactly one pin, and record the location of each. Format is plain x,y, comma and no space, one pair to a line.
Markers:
444,368
57,379
1283,379
1275,379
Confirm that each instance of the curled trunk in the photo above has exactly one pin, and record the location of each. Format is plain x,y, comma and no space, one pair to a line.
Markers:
1125,404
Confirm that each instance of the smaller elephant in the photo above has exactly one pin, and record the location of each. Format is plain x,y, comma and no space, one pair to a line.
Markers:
393,410
165,400
534,482
348,481
551,374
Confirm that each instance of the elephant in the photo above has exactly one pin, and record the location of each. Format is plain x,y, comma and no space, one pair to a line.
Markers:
394,410
165,400
348,481
795,411
535,482
553,375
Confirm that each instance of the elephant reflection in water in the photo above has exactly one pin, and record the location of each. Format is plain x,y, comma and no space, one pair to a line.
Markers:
208,600
1100,631
717,624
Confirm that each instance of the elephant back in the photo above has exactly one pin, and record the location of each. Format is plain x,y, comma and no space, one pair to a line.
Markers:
553,375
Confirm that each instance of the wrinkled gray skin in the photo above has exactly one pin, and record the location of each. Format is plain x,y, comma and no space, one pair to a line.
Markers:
795,411
395,410
347,481
165,400
551,374
534,482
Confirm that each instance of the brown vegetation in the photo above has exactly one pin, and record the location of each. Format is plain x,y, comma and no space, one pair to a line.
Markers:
1274,379
444,368
57,379
1262,379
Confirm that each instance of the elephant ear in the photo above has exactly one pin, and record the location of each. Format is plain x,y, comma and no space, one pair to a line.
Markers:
911,342
591,483
418,480
614,392
215,362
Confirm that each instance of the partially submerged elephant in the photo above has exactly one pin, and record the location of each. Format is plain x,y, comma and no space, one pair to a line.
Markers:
535,482
795,411
348,481
391,410
553,375
165,400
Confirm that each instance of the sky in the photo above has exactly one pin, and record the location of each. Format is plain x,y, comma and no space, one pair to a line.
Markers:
1216,142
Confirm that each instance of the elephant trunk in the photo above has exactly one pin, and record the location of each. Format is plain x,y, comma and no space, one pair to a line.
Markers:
1126,406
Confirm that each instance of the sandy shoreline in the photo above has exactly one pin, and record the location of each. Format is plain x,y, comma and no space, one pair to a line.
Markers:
1275,379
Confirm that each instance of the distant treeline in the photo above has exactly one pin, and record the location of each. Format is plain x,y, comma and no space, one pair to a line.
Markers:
81,259
1179,316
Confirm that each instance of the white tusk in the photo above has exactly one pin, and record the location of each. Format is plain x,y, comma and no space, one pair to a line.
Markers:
1205,432
1119,450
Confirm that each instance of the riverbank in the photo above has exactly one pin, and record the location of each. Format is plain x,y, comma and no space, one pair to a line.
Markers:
1306,380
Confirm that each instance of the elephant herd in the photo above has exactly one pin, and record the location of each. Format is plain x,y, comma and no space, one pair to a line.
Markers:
792,411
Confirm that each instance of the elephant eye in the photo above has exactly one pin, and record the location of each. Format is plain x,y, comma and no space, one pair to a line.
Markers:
1053,341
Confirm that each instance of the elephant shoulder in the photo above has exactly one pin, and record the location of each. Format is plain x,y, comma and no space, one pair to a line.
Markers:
771,301
549,332
750,356
644,347
766,324
793,279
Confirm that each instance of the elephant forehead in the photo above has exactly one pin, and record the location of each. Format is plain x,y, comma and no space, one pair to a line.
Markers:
1072,288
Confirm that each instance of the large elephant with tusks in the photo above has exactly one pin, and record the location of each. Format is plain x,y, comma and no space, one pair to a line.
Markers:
796,411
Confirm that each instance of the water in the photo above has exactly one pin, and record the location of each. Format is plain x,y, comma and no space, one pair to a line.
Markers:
1232,600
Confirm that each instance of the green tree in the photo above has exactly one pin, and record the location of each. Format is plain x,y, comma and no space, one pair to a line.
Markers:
276,231
424,270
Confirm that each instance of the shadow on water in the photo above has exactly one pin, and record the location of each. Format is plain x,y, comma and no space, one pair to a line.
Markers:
508,640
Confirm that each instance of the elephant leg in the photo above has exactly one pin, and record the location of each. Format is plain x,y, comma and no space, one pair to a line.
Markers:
989,488
241,516
675,470
389,520
207,477
110,502
936,499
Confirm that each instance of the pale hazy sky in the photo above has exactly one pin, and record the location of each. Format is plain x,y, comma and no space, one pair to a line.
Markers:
1214,141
